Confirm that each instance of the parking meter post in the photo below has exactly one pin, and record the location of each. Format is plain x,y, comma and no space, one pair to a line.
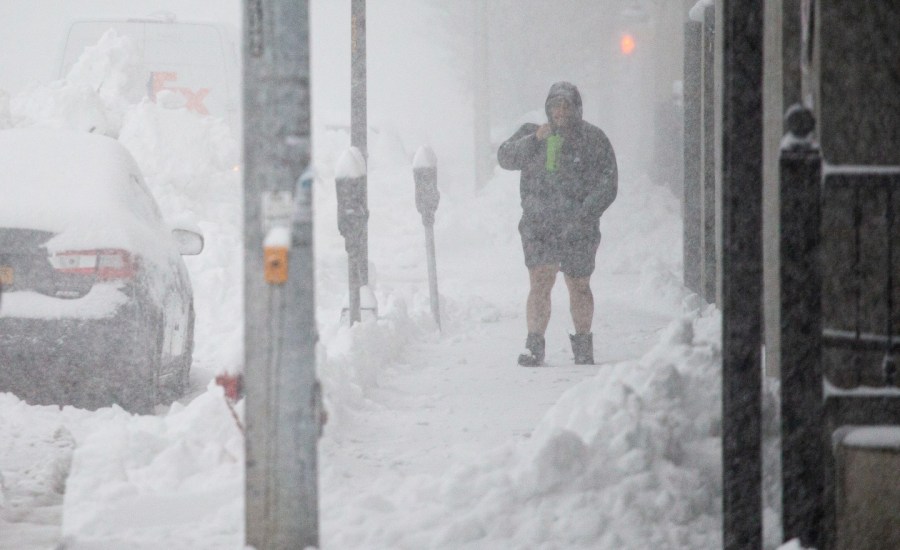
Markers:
353,217
427,199
281,418
432,274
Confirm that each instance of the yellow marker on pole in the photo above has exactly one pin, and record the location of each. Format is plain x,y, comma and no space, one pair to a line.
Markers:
275,255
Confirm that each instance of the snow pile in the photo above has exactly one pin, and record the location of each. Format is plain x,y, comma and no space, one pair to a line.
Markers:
112,69
628,459
638,447
355,358
643,214
95,94
159,481
36,451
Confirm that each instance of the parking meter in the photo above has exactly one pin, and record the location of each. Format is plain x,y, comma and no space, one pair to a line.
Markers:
427,199
353,219
352,207
425,175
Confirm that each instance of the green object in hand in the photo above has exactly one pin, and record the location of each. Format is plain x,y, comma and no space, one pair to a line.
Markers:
554,144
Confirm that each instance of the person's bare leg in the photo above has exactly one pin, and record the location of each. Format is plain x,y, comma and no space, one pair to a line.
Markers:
537,308
581,303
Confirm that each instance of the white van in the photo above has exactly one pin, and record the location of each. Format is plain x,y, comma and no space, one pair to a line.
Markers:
197,60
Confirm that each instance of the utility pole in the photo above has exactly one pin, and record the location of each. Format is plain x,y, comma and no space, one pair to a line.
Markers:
359,124
283,410
482,110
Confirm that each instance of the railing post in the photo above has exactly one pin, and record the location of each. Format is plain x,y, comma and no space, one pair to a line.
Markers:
804,446
427,199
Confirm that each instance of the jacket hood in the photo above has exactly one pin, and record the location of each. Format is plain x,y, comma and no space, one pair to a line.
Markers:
568,91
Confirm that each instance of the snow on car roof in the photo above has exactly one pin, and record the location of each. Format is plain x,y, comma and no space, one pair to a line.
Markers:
85,187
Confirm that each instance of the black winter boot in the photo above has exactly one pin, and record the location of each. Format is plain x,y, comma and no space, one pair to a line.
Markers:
535,356
583,348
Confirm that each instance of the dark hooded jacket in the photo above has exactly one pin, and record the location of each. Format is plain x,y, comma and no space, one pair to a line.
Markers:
569,200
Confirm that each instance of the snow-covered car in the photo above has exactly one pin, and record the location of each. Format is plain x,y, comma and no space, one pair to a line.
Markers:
96,305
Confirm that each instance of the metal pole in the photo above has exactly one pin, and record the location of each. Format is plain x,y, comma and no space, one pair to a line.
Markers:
692,191
359,122
742,62
282,398
432,274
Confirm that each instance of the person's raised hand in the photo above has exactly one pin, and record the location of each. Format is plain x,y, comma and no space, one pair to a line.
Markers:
543,132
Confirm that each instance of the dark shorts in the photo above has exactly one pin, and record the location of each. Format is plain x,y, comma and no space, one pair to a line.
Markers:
575,257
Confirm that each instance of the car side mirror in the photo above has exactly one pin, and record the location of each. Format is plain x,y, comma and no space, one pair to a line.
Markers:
190,243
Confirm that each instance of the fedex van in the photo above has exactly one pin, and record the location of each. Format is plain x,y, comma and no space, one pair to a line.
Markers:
199,61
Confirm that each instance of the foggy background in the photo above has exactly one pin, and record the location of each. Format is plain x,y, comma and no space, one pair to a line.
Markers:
422,70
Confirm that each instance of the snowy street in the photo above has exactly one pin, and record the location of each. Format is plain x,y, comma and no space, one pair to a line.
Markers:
435,439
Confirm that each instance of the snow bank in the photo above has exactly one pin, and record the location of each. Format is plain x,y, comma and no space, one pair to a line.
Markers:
93,97
355,359
628,459
642,226
159,481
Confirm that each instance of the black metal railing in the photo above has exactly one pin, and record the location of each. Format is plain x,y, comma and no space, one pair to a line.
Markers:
860,333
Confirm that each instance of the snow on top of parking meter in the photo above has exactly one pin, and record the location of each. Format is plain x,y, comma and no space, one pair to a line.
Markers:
351,164
94,95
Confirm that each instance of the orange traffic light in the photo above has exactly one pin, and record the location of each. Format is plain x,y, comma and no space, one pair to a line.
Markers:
627,44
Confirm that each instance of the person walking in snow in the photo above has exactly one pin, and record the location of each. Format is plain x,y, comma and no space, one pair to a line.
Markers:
568,179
